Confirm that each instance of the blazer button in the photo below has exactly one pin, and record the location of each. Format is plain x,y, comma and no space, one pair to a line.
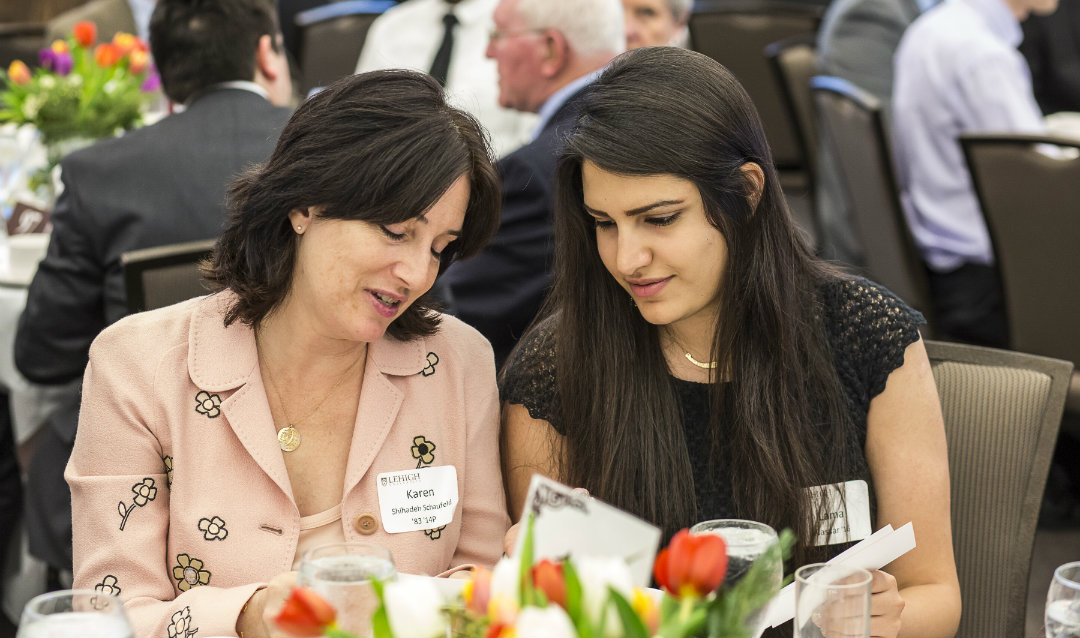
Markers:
366,524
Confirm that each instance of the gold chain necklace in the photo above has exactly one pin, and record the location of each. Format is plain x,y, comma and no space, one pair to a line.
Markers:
689,357
289,437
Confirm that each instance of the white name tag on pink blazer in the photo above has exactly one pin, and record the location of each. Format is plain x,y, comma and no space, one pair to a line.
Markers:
414,500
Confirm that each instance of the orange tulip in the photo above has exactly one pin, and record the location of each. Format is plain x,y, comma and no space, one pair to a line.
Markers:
106,55
646,609
59,46
692,564
305,613
19,73
85,34
138,61
125,42
548,578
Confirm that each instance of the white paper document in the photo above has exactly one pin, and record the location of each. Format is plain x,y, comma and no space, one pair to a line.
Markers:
569,523
881,548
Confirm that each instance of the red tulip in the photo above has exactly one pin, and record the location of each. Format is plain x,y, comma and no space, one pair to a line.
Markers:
305,613
548,578
692,564
19,73
106,55
85,34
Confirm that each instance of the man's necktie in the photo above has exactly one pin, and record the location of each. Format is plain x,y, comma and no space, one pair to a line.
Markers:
441,64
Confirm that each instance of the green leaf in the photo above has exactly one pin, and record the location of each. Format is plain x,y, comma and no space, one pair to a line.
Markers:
574,607
525,570
380,622
632,625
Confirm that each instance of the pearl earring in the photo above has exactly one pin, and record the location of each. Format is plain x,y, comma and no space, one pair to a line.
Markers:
299,229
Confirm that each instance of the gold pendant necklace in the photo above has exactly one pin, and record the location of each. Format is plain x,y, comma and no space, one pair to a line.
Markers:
711,365
289,437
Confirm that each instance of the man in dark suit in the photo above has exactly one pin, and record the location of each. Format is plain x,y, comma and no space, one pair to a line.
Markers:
158,185
1052,48
546,51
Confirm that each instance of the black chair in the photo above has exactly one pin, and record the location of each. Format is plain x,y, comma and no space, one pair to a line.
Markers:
794,63
1002,413
1028,197
853,127
735,34
21,41
163,275
329,39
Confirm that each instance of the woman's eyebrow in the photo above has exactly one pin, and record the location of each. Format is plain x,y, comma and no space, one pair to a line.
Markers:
639,210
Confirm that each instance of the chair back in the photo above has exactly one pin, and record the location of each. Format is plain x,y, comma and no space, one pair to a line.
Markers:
163,275
735,34
1029,199
853,127
794,62
329,39
21,41
1002,412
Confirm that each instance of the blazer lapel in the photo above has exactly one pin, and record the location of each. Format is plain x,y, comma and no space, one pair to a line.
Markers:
222,359
380,401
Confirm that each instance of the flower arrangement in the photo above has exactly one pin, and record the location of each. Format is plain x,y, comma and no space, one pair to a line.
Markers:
81,89
586,596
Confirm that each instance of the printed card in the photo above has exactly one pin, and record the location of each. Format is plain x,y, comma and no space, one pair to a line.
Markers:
568,523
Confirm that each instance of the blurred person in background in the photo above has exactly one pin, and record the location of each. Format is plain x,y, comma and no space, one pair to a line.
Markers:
656,23
547,52
157,185
957,70
446,38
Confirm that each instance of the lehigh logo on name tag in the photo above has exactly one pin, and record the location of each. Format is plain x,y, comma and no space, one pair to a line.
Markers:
840,524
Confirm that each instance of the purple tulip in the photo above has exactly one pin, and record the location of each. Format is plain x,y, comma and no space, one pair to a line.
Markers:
151,83
46,58
62,63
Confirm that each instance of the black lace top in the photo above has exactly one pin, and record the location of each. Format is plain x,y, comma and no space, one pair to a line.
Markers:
868,329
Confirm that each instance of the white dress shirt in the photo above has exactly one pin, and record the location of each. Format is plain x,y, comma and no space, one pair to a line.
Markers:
957,70
408,35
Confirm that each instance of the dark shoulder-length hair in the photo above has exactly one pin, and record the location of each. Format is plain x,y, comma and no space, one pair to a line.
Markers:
381,147
671,111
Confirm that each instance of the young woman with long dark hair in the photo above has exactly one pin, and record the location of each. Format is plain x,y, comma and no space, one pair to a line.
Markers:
696,361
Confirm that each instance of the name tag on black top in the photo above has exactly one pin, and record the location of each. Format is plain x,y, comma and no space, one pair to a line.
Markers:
840,524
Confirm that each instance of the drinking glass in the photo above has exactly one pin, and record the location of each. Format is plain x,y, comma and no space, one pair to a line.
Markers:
1063,603
342,574
74,613
832,601
747,541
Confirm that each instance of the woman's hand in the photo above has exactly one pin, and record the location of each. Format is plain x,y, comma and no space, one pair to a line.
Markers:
257,618
885,605
510,539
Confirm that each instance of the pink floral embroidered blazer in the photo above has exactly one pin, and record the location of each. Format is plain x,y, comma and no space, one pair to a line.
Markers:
181,502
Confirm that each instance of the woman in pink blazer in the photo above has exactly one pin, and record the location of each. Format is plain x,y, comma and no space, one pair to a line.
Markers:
221,437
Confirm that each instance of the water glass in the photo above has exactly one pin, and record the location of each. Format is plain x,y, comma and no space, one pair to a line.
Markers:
342,574
832,601
746,542
1063,603
74,613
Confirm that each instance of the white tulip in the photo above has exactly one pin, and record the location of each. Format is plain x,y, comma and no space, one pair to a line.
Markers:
414,608
549,622
506,580
597,574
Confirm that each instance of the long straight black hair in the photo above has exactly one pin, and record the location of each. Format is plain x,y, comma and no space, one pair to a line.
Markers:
670,111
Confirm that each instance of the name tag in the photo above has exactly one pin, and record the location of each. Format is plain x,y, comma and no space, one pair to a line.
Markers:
839,524
414,500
